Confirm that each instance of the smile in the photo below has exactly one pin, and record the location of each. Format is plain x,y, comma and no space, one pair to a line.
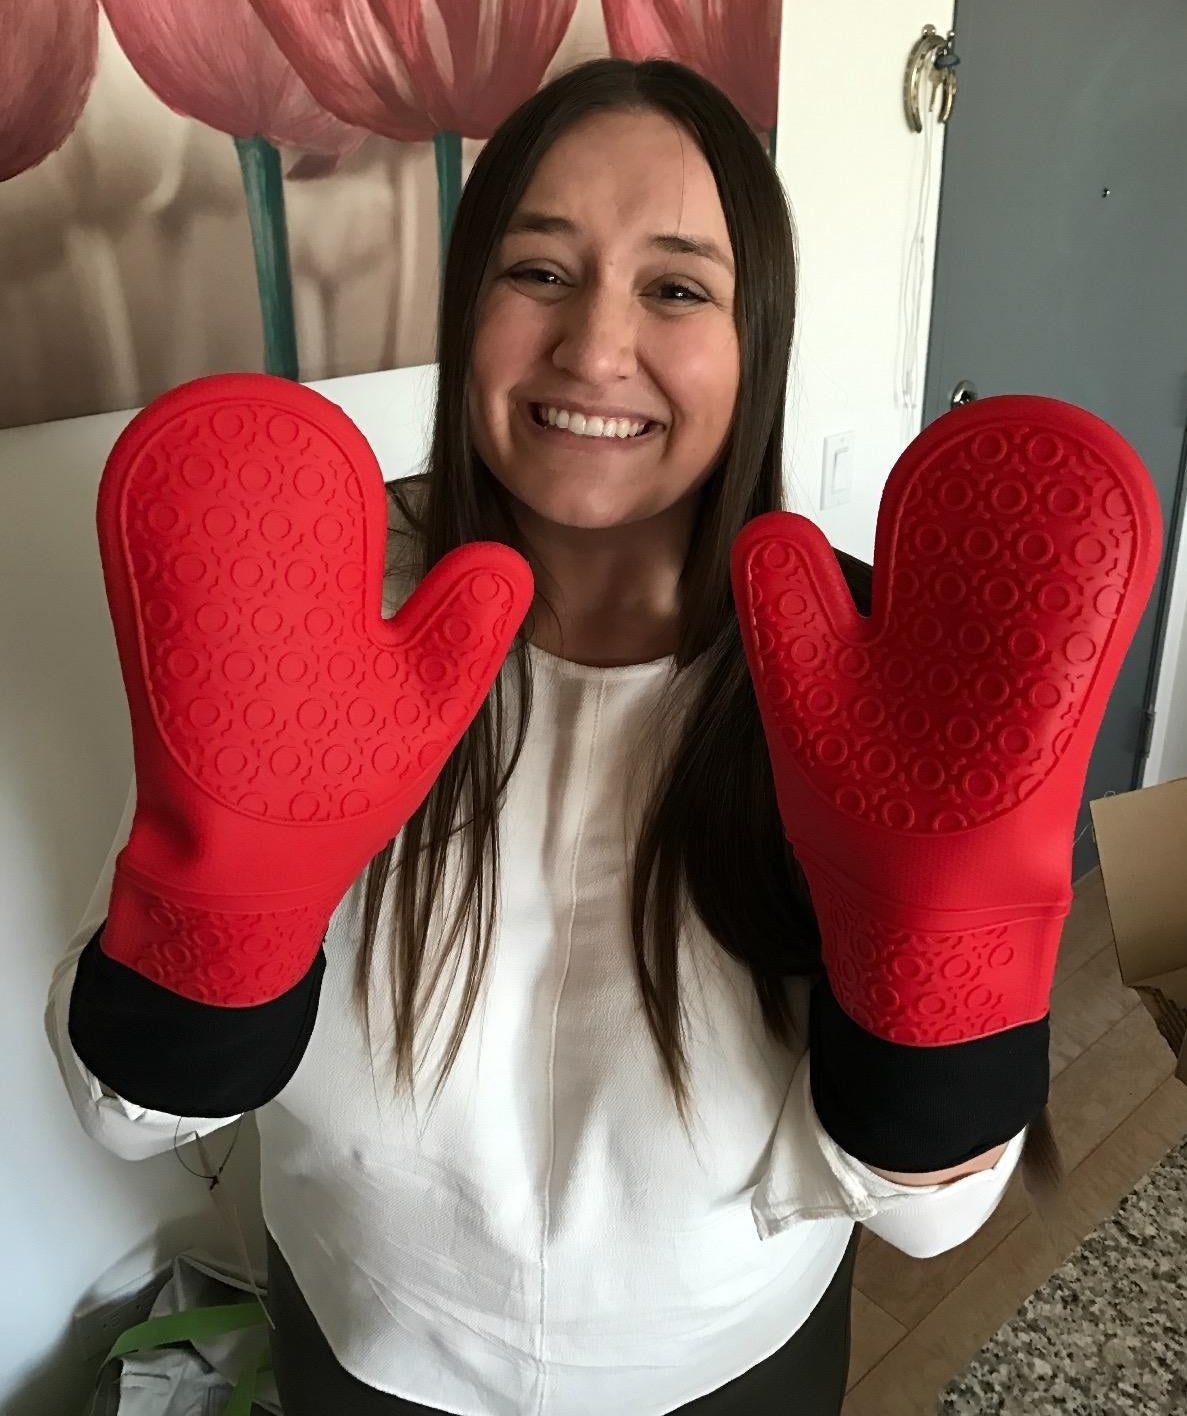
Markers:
569,423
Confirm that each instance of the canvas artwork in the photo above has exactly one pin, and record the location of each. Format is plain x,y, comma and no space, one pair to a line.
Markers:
268,184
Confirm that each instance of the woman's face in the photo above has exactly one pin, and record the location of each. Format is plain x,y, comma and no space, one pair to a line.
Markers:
611,297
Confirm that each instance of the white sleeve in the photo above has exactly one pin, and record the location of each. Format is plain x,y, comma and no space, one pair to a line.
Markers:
127,1130
810,1177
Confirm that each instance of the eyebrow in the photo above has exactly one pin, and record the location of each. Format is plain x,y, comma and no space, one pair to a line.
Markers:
542,224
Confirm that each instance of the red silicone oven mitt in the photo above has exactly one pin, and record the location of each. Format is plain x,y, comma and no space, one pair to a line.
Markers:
283,730
930,760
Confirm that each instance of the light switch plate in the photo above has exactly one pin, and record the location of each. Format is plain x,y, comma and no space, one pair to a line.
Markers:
836,483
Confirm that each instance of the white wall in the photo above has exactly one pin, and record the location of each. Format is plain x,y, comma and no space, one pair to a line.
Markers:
70,1211
1168,745
853,172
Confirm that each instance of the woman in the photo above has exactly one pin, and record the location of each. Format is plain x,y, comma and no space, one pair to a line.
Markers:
621,1196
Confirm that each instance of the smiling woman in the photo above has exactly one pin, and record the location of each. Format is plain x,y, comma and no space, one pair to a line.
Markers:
598,306
622,1196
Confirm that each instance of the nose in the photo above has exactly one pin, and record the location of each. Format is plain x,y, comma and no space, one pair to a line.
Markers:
597,338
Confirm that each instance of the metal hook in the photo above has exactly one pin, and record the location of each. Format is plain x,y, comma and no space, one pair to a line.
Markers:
932,55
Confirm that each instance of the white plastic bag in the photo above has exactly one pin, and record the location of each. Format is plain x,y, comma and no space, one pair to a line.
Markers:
197,1374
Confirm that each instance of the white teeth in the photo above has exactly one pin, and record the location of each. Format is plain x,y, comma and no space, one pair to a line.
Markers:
592,427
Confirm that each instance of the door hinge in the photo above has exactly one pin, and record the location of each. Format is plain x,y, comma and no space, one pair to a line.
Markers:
1146,737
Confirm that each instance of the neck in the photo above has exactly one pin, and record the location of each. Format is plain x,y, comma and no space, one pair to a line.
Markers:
615,591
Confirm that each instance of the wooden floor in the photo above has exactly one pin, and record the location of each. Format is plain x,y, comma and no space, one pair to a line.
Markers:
1116,1108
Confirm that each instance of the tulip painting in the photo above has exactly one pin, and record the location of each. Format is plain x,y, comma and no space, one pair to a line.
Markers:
123,246
216,62
47,64
733,43
415,69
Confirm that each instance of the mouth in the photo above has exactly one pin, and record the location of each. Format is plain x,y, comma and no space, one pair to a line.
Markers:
591,432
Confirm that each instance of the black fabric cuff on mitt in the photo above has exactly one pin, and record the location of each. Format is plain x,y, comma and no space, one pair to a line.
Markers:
167,1053
918,1109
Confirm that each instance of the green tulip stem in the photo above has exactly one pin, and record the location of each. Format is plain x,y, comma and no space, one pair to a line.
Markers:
447,147
263,183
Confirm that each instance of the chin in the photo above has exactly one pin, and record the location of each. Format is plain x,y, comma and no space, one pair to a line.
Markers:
580,513
561,512
556,498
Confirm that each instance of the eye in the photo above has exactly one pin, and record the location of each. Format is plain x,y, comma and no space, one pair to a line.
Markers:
677,293
534,275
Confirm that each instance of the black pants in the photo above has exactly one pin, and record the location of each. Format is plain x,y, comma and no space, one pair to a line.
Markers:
805,1377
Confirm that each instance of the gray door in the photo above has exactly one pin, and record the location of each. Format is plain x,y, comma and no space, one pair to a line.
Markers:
1061,261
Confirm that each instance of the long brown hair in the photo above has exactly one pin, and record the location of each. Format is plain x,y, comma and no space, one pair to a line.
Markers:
711,836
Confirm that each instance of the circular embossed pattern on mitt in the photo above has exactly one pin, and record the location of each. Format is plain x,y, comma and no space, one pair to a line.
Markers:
245,539
1016,549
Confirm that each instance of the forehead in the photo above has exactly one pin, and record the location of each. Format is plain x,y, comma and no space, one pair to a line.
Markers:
628,173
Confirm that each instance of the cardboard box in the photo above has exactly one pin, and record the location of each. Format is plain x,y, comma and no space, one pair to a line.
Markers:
1141,837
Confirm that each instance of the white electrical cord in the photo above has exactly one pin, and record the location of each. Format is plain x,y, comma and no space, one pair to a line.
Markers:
910,371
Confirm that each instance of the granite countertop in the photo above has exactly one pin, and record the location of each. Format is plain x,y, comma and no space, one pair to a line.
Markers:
1106,1335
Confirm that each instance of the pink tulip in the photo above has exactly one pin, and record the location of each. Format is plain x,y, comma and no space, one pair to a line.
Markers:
47,61
213,60
412,68
733,43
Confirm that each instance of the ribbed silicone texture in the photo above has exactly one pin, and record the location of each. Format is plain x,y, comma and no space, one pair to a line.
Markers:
930,759
283,730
